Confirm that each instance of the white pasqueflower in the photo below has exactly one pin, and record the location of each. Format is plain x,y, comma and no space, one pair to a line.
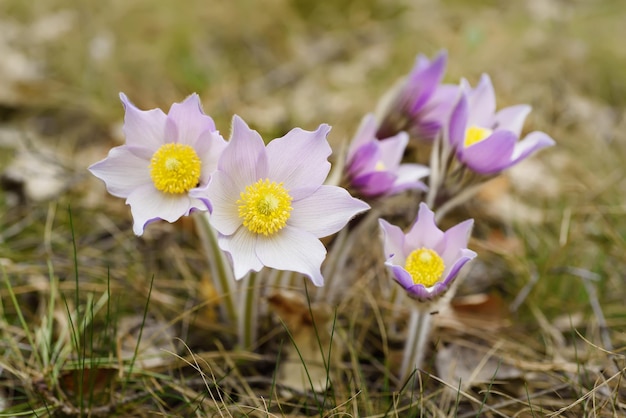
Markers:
269,204
165,158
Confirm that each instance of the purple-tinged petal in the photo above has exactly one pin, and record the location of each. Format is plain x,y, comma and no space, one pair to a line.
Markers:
423,81
464,256
392,150
411,173
458,123
300,158
401,276
454,239
424,232
244,159
293,249
423,293
325,211
241,246
534,141
223,195
143,128
365,133
209,147
186,121
376,183
122,171
147,203
511,118
482,101
491,155
364,159
393,243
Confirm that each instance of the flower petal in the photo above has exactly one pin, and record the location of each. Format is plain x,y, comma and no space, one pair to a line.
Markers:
465,255
512,118
482,101
122,171
143,128
293,249
300,158
325,211
375,183
209,147
534,141
364,159
186,121
424,232
458,123
455,239
365,133
241,247
424,79
393,243
244,159
223,195
402,276
490,155
392,150
147,204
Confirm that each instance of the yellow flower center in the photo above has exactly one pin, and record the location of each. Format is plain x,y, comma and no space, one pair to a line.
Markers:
175,168
425,266
380,166
475,134
265,207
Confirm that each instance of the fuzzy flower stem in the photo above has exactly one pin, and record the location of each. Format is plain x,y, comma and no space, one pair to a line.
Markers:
418,333
248,318
221,272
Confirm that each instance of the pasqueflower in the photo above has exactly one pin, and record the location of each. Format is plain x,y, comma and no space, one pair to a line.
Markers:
420,104
373,166
426,260
486,141
269,204
165,157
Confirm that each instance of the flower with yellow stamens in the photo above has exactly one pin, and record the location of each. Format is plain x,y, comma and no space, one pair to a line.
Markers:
426,260
269,203
165,158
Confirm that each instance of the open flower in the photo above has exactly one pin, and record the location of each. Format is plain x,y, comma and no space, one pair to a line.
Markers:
486,141
165,158
269,205
420,104
373,166
426,260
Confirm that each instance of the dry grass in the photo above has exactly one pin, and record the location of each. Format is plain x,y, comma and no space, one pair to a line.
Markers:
82,335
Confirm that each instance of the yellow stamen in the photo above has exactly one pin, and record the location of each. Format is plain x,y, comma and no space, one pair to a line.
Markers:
175,168
425,266
380,166
475,134
265,207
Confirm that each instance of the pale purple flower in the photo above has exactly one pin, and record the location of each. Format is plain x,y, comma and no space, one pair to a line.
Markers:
486,141
373,166
426,260
420,105
269,204
164,159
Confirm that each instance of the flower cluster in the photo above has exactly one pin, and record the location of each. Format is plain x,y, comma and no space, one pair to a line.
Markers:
267,205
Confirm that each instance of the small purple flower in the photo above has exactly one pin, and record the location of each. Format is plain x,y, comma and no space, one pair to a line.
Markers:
164,159
269,203
426,260
420,104
373,166
486,141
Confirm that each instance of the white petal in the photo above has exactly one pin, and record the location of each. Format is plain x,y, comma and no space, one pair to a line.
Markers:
294,250
143,128
393,243
122,171
325,211
223,195
147,204
189,121
299,159
241,247
244,158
